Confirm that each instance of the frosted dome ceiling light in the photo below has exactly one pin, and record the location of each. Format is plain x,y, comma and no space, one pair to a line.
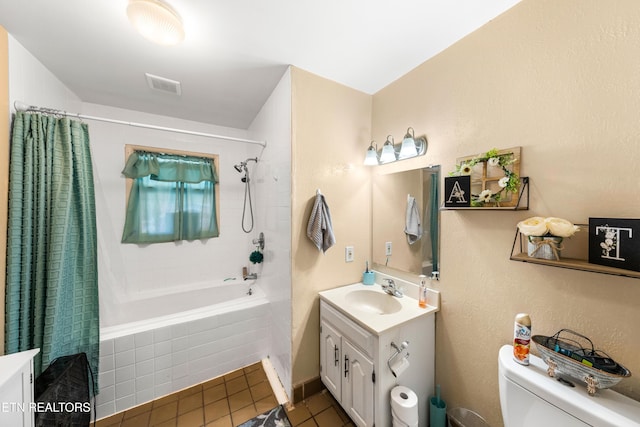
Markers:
156,21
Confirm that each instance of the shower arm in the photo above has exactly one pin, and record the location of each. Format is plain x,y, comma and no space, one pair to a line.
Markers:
242,166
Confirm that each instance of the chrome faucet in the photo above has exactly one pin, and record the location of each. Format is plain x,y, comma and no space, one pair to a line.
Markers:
391,288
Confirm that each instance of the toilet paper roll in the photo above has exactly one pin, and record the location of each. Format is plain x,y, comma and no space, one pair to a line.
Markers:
399,366
404,405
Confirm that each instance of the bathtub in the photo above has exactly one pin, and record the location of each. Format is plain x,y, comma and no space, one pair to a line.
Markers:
160,344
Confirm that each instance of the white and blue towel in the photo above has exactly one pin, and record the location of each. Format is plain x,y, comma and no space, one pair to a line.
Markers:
319,228
413,223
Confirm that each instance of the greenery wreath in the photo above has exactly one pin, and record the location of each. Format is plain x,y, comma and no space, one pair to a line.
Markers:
510,183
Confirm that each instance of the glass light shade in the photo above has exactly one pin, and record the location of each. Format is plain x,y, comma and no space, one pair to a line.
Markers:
156,21
408,148
371,159
388,153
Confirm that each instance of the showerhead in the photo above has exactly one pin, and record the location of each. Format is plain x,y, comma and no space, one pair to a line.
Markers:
242,166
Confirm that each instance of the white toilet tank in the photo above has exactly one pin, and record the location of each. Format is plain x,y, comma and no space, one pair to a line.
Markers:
529,397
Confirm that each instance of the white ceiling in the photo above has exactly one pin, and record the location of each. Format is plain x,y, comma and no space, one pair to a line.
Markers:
236,51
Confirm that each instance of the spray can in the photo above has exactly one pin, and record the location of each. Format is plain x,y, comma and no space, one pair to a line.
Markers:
522,338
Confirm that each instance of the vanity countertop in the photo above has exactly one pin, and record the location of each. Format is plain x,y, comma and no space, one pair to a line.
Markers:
343,298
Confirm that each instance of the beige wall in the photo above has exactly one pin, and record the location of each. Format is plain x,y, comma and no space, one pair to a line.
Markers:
561,80
4,167
331,125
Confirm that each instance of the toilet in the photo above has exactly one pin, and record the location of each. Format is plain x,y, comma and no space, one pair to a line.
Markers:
530,397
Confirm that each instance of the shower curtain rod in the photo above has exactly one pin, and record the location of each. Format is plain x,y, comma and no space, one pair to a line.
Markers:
20,106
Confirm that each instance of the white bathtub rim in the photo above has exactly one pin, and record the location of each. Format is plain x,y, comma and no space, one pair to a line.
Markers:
116,331
179,289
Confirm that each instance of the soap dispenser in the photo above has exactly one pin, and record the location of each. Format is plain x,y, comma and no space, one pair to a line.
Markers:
422,300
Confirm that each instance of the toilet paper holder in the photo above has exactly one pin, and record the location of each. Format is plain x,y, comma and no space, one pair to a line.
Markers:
398,351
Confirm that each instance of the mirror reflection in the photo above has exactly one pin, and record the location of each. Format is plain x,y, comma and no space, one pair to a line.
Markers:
406,220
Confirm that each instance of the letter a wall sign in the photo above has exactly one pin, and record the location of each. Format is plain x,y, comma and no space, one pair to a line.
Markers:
457,191
615,242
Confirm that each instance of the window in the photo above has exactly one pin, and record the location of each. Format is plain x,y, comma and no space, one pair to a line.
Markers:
172,196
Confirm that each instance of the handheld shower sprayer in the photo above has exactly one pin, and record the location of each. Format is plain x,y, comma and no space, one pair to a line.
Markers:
242,167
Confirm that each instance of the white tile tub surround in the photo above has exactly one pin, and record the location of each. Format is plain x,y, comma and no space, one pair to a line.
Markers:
167,354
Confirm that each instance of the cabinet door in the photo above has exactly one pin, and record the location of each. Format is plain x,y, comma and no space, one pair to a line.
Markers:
16,396
357,385
330,358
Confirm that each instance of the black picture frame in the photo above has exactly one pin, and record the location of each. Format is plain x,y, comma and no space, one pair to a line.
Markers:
457,191
615,242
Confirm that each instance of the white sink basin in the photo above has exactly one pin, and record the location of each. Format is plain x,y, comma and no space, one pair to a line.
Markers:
373,302
374,309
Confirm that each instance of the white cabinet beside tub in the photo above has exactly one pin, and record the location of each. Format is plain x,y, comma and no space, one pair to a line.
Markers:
16,389
355,347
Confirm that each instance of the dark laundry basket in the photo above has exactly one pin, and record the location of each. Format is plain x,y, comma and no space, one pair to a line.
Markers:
63,391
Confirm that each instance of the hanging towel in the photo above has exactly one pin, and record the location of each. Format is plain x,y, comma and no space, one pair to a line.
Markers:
319,229
413,225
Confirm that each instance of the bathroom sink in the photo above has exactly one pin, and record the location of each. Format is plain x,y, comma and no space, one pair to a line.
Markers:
373,302
371,307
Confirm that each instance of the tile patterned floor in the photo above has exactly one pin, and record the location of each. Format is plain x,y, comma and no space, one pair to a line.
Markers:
319,410
228,401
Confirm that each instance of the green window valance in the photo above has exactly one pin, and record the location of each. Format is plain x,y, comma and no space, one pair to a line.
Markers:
170,167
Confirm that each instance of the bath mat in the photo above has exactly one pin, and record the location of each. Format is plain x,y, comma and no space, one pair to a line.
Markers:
277,417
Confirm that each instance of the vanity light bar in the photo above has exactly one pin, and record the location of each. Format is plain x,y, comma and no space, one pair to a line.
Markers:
411,146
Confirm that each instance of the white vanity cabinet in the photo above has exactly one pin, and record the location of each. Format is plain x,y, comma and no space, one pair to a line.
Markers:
346,364
16,389
356,345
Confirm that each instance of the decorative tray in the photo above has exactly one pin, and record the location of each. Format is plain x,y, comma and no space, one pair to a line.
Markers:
566,353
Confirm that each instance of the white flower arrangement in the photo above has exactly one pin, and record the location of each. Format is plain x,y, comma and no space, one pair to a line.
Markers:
509,183
545,235
538,226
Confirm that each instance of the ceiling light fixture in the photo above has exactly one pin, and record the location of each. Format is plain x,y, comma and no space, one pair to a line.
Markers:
156,21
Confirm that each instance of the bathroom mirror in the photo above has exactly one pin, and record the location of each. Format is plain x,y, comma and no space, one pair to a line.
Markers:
392,195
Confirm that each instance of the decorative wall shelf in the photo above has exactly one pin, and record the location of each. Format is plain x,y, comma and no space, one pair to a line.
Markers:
577,248
522,203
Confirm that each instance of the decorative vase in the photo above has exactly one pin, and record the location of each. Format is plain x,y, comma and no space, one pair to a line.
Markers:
544,247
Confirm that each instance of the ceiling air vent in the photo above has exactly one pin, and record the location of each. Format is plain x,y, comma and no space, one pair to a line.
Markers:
163,84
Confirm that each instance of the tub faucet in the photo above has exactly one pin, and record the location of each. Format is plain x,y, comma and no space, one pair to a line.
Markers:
391,288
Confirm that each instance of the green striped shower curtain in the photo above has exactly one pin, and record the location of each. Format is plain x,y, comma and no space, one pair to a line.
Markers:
52,275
